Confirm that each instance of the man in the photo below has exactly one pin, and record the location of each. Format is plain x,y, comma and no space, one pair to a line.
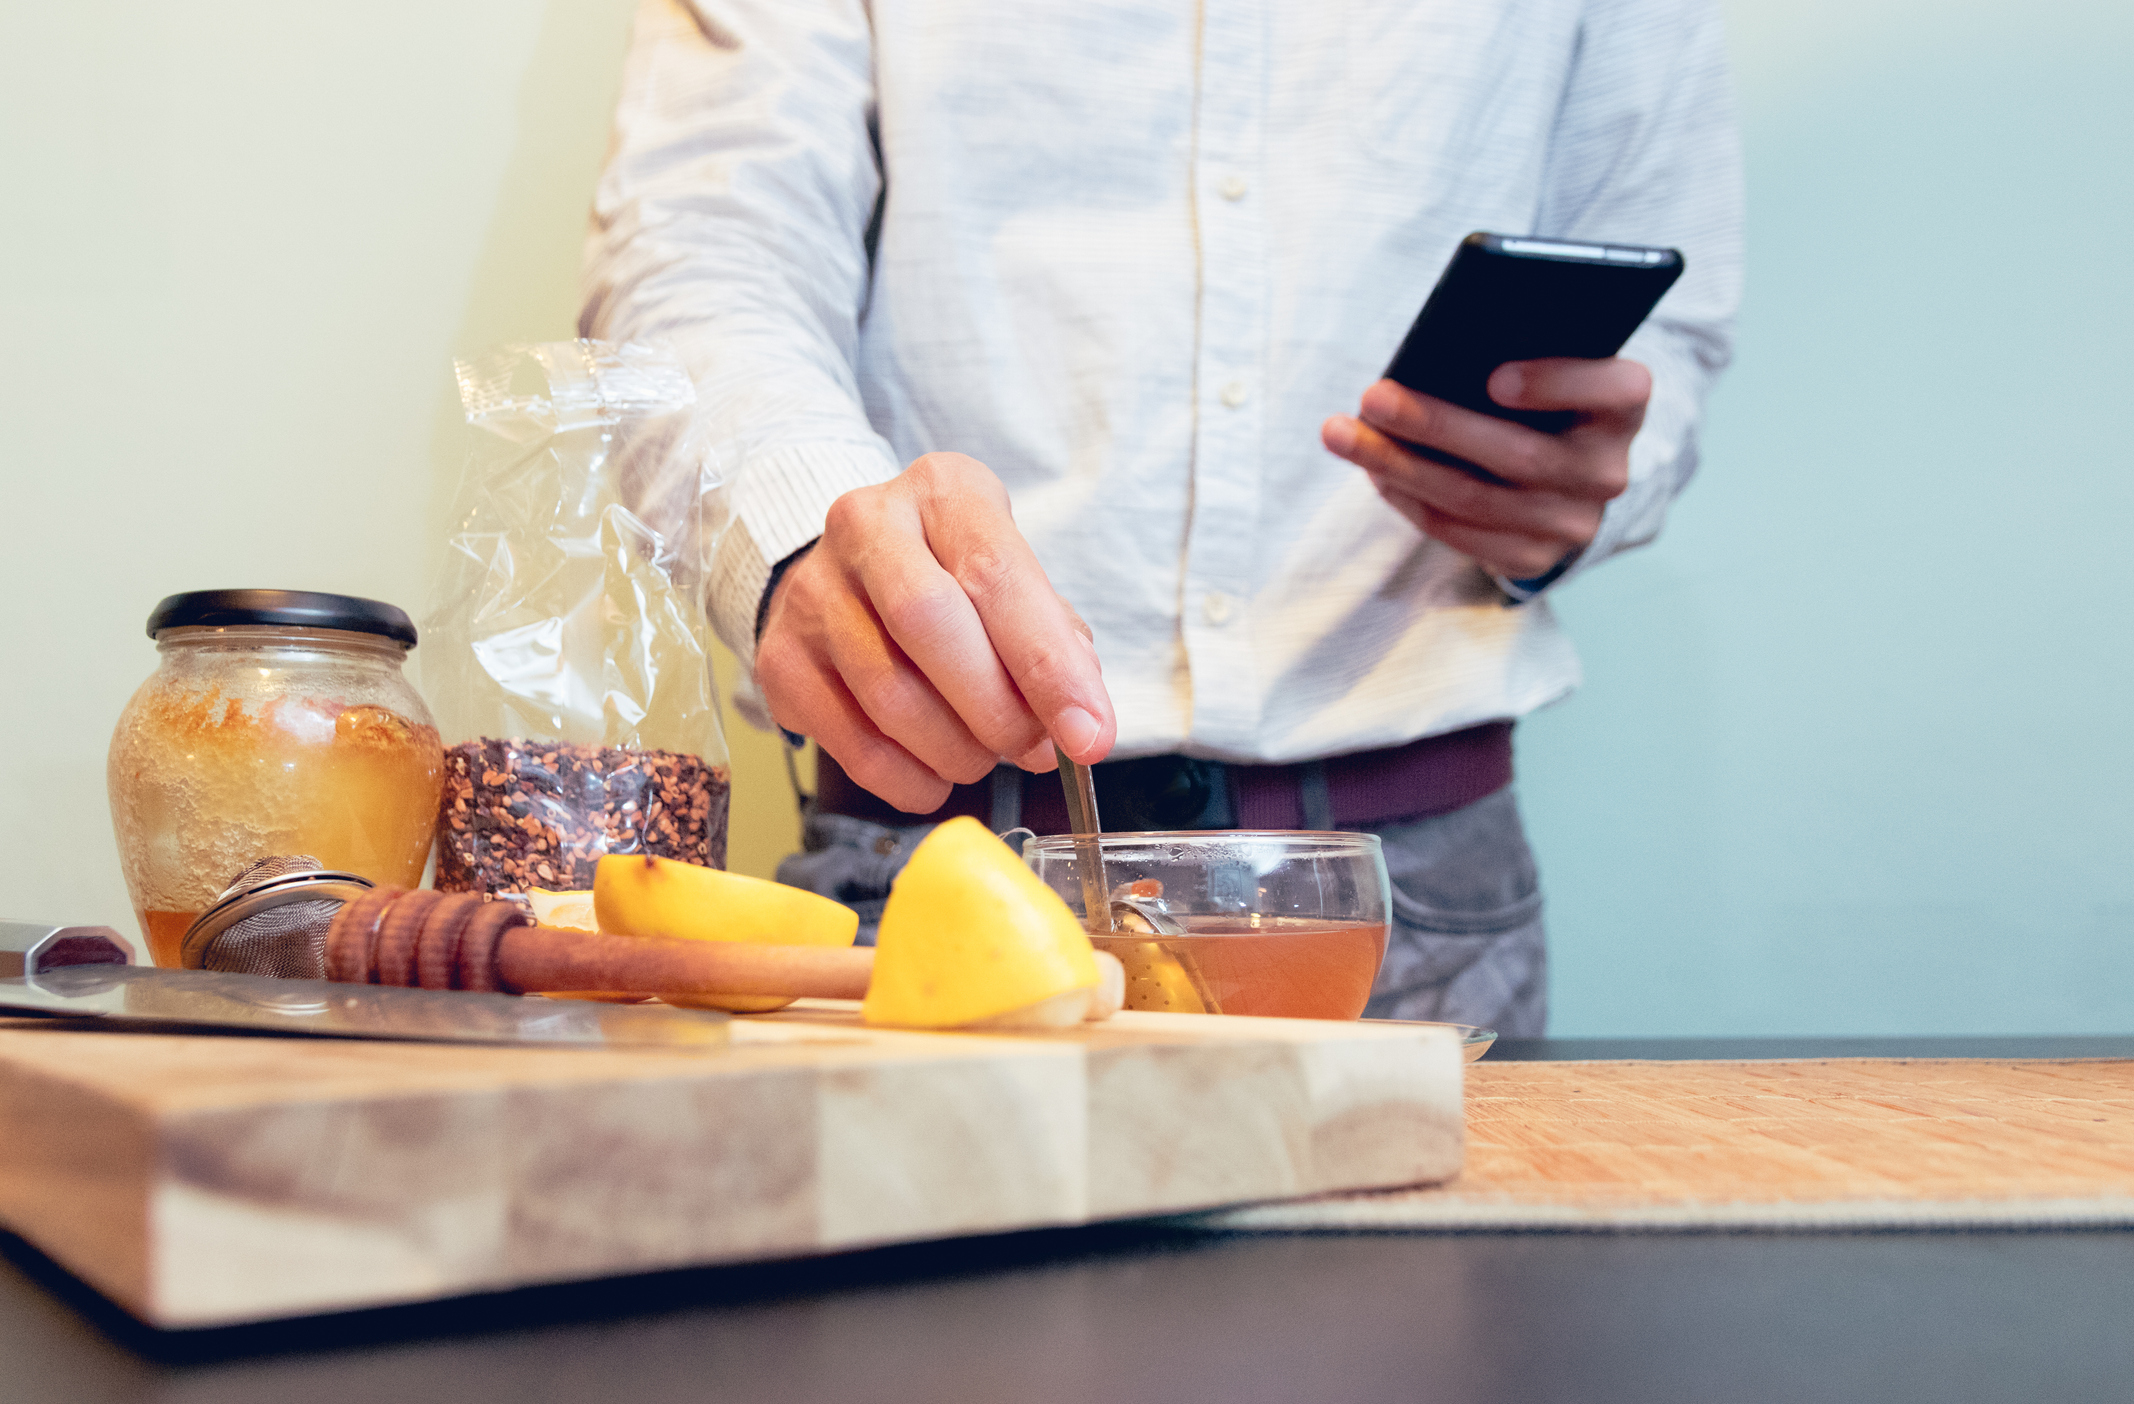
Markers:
1007,316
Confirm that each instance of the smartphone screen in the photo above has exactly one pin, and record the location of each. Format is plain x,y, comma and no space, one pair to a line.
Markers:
1510,298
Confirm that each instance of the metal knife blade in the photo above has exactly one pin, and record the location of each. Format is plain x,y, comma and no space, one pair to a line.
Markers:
132,995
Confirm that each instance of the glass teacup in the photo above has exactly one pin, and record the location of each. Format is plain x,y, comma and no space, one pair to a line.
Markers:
1238,921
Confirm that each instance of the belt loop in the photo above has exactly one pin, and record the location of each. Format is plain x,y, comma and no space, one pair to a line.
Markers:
1007,798
1312,794
1221,812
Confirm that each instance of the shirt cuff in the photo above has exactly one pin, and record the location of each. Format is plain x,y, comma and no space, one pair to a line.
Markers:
1520,591
780,500
770,584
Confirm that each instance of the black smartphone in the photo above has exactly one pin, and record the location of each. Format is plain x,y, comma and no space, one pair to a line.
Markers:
1504,298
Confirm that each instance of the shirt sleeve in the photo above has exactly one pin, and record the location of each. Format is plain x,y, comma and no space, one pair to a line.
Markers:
730,224
1646,151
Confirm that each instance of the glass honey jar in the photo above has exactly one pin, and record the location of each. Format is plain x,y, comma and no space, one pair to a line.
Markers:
276,722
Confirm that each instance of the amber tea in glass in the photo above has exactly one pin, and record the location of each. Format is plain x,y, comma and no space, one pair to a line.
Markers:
1241,921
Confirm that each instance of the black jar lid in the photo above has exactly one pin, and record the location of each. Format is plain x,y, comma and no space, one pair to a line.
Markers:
303,609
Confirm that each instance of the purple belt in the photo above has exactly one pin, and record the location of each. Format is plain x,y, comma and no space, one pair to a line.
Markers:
1432,776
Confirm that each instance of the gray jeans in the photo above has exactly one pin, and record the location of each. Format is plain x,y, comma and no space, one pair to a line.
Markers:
1466,943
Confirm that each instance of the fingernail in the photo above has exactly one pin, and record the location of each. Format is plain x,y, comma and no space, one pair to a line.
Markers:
1381,399
1510,384
1338,434
1075,730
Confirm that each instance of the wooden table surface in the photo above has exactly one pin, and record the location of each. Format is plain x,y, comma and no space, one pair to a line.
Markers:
1136,1312
1775,1144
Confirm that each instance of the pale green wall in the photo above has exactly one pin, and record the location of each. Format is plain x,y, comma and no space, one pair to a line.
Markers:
1852,755
1847,758
243,242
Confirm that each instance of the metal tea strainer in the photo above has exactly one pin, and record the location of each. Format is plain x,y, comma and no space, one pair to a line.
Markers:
272,919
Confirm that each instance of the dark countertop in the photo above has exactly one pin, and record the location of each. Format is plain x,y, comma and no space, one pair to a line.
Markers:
1145,1312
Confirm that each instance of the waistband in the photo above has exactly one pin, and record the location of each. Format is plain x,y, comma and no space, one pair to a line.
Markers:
1434,775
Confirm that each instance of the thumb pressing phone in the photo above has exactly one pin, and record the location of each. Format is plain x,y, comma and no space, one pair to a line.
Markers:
1520,299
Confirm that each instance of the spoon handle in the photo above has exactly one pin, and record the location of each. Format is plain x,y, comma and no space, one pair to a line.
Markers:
1088,853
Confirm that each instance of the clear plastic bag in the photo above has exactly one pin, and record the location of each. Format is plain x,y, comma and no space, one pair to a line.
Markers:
564,652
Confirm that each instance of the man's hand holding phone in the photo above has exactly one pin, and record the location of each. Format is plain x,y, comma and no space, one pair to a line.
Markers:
920,641
1554,485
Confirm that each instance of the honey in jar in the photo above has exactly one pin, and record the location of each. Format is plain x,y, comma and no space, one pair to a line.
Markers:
277,722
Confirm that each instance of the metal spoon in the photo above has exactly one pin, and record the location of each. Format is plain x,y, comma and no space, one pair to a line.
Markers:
1145,915
1172,983
1088,852
1125,913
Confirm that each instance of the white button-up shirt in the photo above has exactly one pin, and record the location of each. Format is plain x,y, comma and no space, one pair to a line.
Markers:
1130,254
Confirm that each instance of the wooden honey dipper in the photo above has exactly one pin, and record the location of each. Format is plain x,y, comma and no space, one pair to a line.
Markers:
457,941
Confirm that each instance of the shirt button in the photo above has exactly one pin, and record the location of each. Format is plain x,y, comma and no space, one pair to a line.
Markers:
1234,393
1215,608
1234,188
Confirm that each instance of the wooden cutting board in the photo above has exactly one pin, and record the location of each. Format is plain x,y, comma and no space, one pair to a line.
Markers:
1841,1143
204,1180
